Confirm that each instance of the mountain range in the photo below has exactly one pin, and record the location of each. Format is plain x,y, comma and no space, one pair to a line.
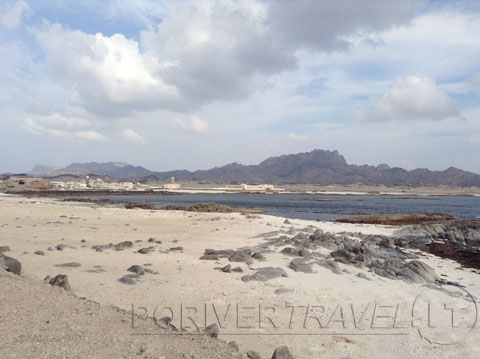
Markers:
316,167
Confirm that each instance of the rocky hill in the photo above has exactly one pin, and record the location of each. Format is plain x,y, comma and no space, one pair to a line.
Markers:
318,166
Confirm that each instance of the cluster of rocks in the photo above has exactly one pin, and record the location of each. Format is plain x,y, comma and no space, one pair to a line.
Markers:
118,247
246,255
136,272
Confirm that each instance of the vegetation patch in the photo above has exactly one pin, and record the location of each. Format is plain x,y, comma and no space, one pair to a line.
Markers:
397,219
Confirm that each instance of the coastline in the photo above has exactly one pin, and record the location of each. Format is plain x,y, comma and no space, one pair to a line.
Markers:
31,224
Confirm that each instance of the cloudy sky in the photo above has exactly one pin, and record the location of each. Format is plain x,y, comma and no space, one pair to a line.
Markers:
197,84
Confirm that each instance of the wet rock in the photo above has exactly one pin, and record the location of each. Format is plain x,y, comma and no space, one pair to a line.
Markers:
282,353
265,274
212,330
68,265
60,280
136,269
39,253
10,264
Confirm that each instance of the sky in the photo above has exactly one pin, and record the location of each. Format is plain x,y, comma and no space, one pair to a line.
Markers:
197,84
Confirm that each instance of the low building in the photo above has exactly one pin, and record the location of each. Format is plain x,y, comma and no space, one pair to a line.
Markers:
17,184
172,184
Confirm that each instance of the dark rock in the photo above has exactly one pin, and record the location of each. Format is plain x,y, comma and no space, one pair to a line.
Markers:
10,264
136,269
209,257
146,250
301,265
234,346
259,256
49,249
265,274
363,276
282,353
68,265
241,256
47,278
83,241
212,330
123,245
4,249
227,268
289,251
60,280
253,355
39,253
173,249
127,280
237,269
60,247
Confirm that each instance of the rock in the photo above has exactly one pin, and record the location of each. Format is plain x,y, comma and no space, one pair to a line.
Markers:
424,271
329,264
286,221
301,265
237,269
47,278
363,276
212,330
240,256
49,249
60,280
173,249
234,346
289,251
123,245
282,290
145,250
153,240
253,355
4,249
265,274
10,264
83,241
68,265
226,269
259,256
39,253
136,269
127,280
60,247
209,257
282,353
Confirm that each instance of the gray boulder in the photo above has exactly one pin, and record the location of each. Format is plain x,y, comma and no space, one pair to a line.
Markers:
10,264
265,274
282,353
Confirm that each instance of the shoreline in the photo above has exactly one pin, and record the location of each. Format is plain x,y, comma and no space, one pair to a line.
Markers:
31,224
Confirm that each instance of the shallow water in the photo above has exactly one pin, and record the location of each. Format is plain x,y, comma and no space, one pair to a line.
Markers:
299,206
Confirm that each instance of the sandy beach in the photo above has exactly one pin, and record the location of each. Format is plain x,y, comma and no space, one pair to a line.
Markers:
317,314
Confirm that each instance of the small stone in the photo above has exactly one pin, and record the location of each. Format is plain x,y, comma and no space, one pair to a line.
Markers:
212,330
136,269
39,253
68,265
227,268
234,346
237,269
4,249
61,280
127,280
282,353
253,355
59,247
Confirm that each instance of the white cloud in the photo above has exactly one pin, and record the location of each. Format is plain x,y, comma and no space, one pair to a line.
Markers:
192,124
412,98
297,138
11,13
476,79
132,136
58,125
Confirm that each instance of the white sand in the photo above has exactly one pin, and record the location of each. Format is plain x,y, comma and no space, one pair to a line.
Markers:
27,225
